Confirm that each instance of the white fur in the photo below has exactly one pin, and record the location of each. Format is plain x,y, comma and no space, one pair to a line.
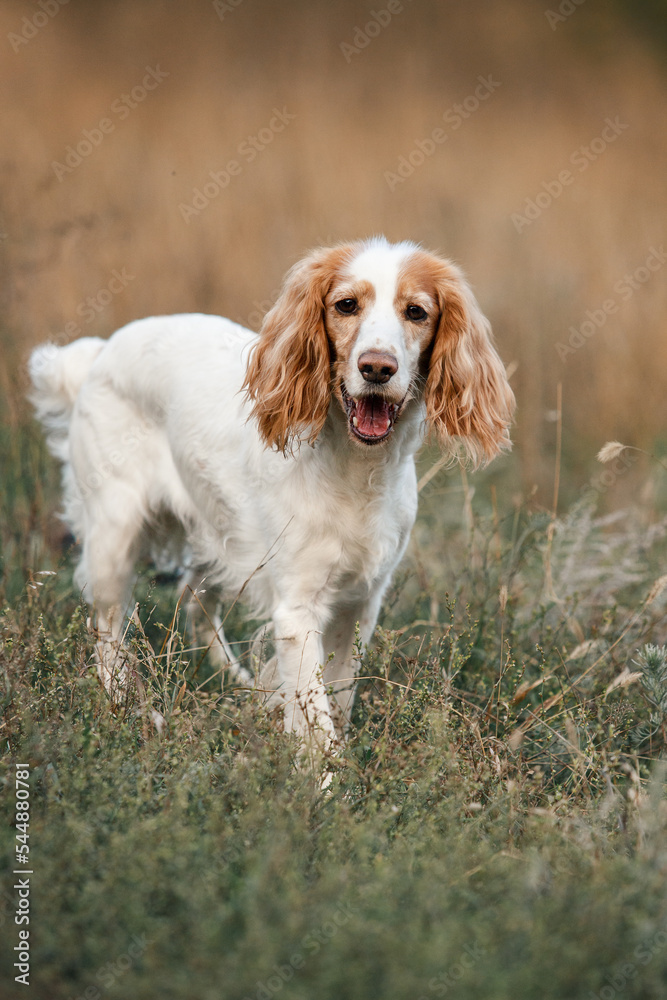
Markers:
155,432
159,425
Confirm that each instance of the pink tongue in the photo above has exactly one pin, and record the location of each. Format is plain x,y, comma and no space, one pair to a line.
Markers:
372,416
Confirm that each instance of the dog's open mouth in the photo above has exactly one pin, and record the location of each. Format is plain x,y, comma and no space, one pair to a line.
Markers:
371,418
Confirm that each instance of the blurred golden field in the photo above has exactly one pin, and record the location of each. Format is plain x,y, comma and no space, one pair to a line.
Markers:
220,73
499,807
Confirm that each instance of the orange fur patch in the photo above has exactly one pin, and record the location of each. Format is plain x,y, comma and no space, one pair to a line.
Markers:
289,372
467,394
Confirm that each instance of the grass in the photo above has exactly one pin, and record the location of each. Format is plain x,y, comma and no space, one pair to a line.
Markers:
496,825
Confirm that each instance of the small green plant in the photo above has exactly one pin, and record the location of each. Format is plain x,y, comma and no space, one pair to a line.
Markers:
488,829
652,663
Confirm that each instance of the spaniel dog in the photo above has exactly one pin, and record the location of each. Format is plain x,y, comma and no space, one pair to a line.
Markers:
281,464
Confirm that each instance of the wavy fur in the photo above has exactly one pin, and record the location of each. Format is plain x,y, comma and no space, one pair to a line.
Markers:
288,377
467,395
183,431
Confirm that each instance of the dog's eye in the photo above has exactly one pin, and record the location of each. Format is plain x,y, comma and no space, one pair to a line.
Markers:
347,306
415,313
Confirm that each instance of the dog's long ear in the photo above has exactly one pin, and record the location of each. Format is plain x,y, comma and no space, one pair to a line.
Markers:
467,394
289,373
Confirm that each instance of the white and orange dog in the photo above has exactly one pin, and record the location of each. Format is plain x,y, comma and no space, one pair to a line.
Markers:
281,463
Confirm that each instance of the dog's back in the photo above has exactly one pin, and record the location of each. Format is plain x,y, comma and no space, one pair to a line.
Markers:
288,459
57,374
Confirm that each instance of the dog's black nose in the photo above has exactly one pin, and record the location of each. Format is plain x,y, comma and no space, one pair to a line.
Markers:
376,366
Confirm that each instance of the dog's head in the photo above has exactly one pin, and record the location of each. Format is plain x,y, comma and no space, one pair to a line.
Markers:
370,327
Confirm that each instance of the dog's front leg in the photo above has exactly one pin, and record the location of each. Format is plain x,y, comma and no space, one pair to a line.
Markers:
298,641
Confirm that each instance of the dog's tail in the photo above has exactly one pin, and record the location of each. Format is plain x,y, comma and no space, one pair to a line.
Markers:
57,374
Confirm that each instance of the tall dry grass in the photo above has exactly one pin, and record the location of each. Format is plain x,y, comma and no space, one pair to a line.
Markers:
494,796
322,179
